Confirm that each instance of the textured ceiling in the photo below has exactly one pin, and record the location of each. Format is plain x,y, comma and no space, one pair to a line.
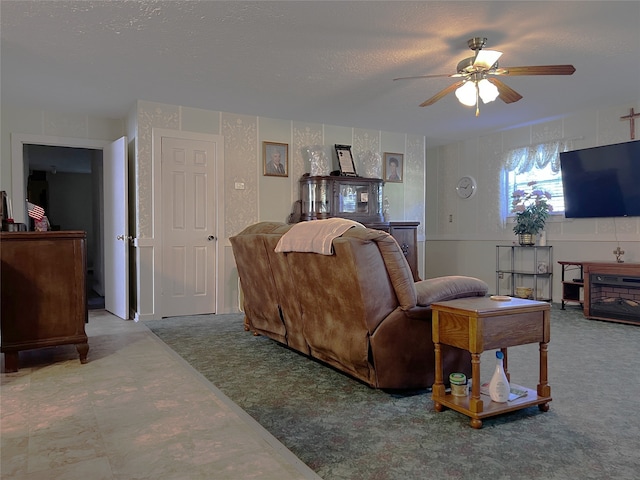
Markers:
318,61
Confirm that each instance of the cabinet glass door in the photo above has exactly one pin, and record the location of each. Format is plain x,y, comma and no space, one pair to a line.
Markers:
322,197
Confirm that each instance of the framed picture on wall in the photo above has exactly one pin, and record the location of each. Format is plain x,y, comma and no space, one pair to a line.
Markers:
393,167
275,159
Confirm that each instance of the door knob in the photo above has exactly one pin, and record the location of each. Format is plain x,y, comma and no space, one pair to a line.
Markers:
211,238
122,237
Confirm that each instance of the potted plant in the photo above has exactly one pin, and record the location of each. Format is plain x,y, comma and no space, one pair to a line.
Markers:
532,210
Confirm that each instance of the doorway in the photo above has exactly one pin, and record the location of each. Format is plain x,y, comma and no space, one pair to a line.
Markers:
67,183
116,289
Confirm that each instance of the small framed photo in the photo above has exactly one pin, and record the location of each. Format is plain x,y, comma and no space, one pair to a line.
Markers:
393,167
345,161
275,159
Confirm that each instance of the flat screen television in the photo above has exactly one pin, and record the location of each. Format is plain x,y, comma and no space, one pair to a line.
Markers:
602,181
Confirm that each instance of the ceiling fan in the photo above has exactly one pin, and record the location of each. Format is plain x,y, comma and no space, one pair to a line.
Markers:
478,80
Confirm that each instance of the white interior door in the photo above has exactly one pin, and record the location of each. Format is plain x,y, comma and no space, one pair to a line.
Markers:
116,229
189,233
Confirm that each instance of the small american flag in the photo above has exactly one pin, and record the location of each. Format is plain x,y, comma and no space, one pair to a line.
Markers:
36,212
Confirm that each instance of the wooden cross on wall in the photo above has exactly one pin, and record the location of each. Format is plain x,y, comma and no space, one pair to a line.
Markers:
632,122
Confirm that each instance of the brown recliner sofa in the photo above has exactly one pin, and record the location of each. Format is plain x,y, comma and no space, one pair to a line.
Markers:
358,310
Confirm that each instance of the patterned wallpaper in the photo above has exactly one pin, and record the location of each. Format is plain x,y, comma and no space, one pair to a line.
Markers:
243,162
414,180
366,144
150,116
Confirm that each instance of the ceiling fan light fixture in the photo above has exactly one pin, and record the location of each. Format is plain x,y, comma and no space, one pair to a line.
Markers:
488,91
485,59
467,93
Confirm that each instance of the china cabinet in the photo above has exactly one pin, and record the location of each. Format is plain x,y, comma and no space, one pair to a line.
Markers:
356,198
359,199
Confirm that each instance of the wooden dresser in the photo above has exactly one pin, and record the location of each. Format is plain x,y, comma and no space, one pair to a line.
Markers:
44,295
406,234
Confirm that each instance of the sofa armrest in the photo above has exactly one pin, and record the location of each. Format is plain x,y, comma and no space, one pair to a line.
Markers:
450,287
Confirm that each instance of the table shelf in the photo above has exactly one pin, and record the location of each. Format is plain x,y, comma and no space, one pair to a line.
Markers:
489,407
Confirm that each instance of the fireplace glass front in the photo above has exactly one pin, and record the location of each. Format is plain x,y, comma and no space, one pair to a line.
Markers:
615,297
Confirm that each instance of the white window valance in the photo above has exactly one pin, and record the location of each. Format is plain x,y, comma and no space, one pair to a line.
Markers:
524,159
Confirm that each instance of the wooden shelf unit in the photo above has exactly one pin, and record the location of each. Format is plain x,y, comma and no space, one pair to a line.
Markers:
572,288
531,258
619,279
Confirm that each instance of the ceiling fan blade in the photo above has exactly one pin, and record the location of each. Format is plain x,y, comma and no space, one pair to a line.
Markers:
505,92
537,70
441,94
424,76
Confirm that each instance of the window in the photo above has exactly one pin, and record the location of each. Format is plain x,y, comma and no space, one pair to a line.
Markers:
545,179
539,163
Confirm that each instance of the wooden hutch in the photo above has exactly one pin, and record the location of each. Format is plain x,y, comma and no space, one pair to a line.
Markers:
359,199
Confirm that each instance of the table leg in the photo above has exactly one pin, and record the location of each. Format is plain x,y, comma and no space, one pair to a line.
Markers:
83,350
476,423
475,404
438,386
544,390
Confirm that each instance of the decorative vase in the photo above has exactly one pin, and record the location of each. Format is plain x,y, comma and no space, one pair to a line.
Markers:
526,239
542,239
318,160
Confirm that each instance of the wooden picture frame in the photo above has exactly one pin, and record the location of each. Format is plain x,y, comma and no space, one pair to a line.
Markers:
393,167
345,161
275,159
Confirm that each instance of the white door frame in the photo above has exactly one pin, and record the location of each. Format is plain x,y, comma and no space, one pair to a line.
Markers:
156,155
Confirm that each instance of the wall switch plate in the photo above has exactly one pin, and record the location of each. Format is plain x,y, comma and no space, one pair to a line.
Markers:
239,185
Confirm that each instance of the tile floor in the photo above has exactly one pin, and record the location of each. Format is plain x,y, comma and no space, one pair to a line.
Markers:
136,410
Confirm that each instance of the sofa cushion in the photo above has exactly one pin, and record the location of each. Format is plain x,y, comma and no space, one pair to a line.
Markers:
448,288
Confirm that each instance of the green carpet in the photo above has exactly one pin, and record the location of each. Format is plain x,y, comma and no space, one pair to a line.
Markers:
343,429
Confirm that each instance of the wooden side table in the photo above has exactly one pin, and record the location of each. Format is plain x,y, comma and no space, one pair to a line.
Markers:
479,324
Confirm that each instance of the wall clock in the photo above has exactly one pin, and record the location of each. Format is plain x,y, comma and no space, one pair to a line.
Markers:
466,187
